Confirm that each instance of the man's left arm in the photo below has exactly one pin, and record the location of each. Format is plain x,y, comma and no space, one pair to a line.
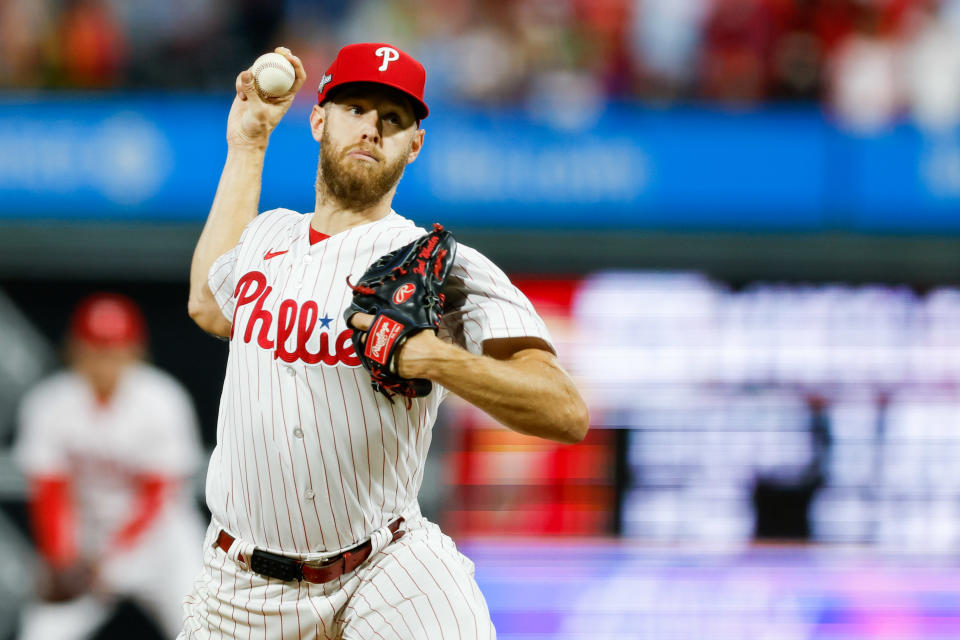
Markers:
518,381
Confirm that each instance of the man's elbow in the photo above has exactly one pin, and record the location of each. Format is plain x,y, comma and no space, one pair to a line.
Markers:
207,315
198,310
578,422
571,423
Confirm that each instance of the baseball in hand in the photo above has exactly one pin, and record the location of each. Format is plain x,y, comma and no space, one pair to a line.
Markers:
273,75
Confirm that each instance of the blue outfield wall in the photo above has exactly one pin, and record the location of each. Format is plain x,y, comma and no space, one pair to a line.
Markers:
158,157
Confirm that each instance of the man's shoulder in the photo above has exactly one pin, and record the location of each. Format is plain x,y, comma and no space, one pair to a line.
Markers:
273,218
473,261
280,217
272,225
50,392
400,223
391,232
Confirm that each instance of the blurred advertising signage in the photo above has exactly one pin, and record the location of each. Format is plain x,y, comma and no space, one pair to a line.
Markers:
158,157
505,483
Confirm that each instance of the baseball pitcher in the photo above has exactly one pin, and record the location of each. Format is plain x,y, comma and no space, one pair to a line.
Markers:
348,325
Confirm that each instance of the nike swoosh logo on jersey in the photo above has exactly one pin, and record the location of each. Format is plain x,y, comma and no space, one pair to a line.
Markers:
274,254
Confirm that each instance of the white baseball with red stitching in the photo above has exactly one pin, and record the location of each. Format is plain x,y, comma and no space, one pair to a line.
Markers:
273,75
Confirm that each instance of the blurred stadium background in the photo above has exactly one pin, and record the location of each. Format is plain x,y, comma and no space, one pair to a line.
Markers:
739,216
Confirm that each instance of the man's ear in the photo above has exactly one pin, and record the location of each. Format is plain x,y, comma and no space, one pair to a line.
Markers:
317,118
416,145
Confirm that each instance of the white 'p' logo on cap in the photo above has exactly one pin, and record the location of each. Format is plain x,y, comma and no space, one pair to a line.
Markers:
389,54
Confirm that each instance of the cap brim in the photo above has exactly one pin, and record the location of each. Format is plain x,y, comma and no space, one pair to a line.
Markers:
420,108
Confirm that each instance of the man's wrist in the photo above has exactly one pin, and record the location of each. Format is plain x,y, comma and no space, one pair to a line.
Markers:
422,354
247,147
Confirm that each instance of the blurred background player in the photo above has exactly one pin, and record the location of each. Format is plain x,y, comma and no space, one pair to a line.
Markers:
106,446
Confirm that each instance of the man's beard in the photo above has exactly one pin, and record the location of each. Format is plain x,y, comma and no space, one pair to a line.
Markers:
356,184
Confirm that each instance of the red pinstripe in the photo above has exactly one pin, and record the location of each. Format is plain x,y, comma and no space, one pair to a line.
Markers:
413,605
296,607
355,502
231,441
310,598
280,610
296,489
245,470
219,599
273,495
453,579
320,447
383,617
411,435
233,613
396,609
283,479
256,462
340,542
367,523
276,391
365,621
453,611
306,458
263,605
396,463
420,589
306,461
346,413
247,609
483,309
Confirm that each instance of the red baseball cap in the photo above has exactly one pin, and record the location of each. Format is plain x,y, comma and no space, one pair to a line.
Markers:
108,319
379,63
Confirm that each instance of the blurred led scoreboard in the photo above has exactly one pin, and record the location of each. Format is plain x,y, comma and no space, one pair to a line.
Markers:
828,413
506,483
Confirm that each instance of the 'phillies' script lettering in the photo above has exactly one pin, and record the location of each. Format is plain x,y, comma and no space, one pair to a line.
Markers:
298,320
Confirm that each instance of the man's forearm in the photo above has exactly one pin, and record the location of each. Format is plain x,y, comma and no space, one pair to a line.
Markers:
234,206
249,124
528,392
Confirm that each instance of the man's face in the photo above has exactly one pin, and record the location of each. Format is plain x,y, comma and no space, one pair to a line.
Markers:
102,365
369,135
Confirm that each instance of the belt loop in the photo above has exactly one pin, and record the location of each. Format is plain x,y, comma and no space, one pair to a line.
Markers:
240,553
383,536
348,564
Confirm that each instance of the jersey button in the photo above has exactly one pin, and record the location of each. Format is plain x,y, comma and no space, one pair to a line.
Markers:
308,494
307,259
298,432
291,372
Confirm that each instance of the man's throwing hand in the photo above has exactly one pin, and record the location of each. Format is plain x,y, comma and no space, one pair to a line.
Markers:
254,117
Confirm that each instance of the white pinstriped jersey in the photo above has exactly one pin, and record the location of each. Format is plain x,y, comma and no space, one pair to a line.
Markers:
309,458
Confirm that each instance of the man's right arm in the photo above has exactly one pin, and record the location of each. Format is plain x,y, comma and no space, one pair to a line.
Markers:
249,125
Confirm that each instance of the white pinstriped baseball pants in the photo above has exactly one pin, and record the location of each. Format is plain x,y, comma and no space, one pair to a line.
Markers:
417,588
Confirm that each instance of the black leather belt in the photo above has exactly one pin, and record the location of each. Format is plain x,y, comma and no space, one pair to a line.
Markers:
283,568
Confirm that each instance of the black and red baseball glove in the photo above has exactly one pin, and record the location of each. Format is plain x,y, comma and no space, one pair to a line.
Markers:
403,290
